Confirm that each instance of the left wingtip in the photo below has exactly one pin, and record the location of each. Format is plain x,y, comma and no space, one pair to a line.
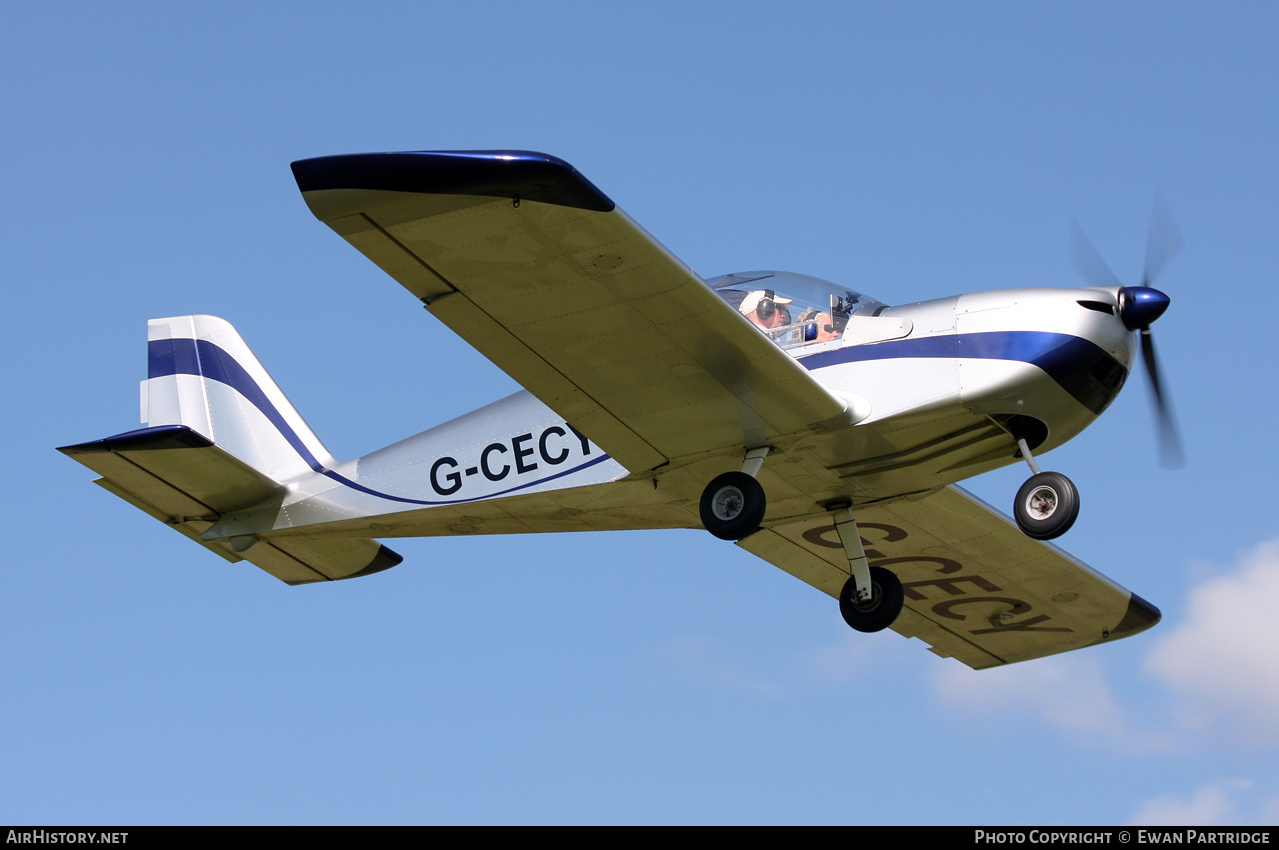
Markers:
528,175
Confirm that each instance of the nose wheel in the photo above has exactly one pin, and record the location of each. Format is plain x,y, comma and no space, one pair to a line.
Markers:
1047,505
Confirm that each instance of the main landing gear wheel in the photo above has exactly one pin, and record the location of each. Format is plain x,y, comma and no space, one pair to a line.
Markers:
885,602
733,506
1047,505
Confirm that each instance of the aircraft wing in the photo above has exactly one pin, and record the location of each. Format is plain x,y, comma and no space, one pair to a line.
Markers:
977,589
536,268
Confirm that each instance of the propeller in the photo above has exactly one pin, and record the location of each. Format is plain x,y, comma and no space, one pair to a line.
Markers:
1139,307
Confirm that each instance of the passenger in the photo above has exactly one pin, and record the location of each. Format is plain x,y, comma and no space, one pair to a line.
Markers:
825,328
766,309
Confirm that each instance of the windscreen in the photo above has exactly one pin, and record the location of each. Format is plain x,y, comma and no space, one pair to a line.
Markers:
793,309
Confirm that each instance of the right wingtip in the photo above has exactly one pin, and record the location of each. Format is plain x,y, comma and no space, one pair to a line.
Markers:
1140,616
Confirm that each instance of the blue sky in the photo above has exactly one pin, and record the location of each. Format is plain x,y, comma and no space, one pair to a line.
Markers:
908,150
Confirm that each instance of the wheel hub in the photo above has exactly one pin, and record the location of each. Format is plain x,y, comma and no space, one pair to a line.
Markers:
1042,503
881,610
876,596
1046,505
728,503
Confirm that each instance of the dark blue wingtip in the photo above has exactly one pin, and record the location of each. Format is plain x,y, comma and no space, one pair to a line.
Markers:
383,560
1140,306
144,439
526,175
1140,616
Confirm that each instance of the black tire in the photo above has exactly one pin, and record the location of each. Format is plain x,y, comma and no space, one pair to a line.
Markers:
1047,505
881,611
733,506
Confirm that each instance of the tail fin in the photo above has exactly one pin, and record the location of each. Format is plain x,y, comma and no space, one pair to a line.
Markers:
221,438
201,374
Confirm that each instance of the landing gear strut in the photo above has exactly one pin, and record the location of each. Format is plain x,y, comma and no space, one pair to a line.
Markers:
873,597
732,508
1047,505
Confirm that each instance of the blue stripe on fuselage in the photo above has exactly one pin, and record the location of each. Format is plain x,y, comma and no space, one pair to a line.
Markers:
1079,366
185,356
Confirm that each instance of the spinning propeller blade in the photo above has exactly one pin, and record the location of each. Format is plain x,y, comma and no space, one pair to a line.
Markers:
1139,307
1162,241
1087,261
1171,455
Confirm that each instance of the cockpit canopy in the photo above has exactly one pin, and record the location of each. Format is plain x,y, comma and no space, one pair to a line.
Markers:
793,309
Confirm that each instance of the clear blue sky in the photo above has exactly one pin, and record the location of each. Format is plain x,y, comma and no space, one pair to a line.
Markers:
908,150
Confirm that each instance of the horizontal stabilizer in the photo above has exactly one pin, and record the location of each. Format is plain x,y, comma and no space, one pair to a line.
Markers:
171,462
182,479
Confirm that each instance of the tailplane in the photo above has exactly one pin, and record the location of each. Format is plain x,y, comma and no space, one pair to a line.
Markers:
222,437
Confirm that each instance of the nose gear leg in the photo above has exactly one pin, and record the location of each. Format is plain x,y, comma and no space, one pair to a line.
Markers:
1025,453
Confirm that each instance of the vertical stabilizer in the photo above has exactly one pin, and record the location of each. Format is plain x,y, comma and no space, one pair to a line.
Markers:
202,375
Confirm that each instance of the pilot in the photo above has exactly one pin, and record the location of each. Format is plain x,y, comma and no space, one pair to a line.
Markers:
766,309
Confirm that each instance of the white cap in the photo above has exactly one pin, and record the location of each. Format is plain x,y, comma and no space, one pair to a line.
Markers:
751,301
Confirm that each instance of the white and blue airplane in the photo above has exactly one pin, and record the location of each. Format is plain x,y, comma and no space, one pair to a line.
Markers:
818,428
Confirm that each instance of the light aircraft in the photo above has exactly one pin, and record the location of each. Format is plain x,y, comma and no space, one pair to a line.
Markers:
816,427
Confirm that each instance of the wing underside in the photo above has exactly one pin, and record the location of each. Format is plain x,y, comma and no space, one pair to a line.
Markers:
538,270
977,589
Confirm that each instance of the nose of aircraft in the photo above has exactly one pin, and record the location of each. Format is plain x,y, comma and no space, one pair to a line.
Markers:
1140,306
